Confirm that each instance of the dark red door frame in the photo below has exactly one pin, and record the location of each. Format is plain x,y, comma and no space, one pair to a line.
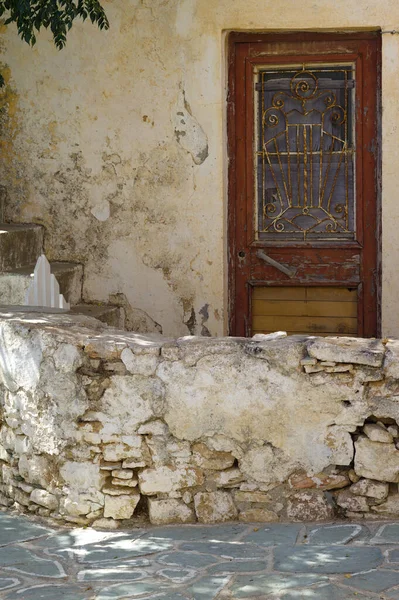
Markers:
245,50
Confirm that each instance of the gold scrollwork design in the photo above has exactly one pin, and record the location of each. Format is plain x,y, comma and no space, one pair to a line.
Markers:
270,208
331,227
340,209
338,115
279,226
304,85
271,117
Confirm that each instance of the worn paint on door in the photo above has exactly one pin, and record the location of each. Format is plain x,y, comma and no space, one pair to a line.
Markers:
304,183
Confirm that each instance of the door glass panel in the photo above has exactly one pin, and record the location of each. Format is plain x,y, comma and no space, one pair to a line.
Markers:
305,153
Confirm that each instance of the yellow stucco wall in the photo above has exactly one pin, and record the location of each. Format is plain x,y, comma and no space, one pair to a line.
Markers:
94,147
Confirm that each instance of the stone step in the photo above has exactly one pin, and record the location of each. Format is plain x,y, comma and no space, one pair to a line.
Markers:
13,285
111,315
20,245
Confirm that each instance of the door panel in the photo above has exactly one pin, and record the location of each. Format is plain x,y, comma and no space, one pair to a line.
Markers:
303,182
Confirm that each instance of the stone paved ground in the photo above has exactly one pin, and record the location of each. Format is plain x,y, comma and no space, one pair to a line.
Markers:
234,561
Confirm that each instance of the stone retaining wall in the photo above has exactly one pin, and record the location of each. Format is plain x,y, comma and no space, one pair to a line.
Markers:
104,427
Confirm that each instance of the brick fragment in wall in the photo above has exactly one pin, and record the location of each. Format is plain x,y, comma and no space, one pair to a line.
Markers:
321,481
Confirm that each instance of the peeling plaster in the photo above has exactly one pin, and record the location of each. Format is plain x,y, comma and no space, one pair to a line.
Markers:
204,312
188,132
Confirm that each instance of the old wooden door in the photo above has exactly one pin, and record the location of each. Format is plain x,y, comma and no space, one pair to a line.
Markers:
303,115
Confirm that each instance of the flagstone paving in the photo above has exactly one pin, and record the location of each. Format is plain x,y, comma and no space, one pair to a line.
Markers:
336,561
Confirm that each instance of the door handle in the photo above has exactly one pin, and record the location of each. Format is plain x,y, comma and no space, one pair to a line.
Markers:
270,261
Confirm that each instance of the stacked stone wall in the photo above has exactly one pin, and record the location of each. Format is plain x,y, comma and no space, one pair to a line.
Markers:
108,428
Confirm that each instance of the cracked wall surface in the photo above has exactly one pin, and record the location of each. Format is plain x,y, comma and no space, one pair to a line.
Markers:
117,145
100,426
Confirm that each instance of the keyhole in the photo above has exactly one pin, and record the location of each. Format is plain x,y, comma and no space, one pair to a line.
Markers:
241,254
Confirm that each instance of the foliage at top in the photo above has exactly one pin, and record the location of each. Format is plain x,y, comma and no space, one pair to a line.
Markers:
58,15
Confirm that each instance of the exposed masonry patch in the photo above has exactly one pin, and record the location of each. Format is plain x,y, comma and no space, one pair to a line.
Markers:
188,132
204,312
100,426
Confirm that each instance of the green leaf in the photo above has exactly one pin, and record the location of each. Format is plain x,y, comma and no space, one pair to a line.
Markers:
58,15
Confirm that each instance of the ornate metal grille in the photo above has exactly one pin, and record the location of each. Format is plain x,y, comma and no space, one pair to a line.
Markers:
305,154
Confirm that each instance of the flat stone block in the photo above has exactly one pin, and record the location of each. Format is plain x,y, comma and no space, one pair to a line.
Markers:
167,511
207,588
335,534
230,550
254,586
214,507
376,460
120,507
326,592
359,351
217,533
309,506
258,515
326,559
189,560
29,563
130,589
50,592
274,535
116,572
238,566
19,529
387,534
374,581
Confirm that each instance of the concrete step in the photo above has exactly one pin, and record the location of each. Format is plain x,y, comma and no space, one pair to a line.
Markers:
20,245
111,315
13,285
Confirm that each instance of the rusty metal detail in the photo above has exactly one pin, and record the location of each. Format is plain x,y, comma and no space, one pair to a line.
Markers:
274,263
306,153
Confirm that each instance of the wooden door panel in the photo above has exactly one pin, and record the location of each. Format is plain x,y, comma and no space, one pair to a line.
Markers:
303,178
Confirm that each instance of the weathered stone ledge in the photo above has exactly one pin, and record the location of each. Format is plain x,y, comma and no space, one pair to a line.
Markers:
100,426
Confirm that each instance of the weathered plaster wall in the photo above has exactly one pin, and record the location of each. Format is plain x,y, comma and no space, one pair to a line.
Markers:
117,145
99,426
